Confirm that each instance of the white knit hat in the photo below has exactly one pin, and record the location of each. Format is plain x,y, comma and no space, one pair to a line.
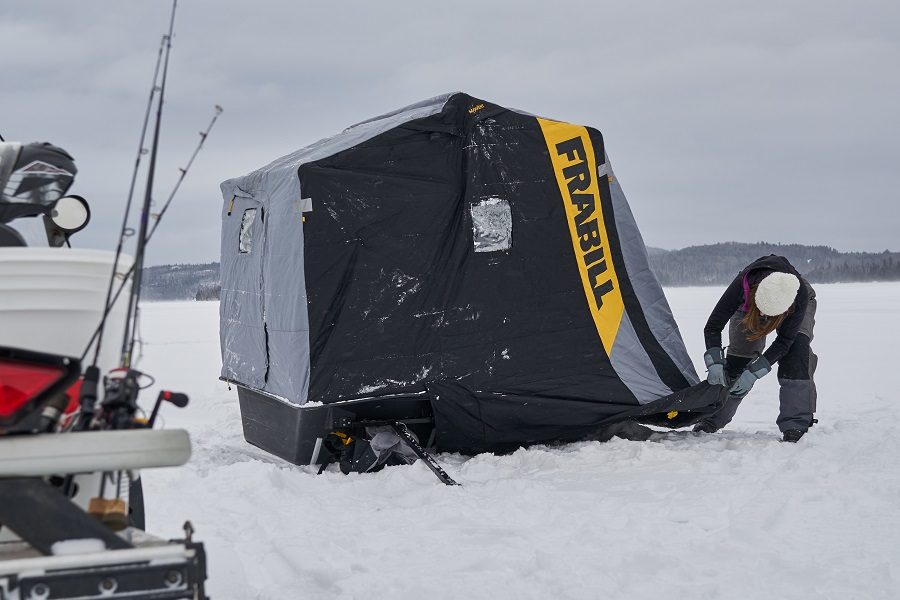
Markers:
776,293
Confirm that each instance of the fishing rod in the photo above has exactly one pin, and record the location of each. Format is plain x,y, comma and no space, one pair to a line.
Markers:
123,231
91,379
157,218
122,387
134,297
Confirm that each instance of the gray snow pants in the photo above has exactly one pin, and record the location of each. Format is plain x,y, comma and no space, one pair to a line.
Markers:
795,372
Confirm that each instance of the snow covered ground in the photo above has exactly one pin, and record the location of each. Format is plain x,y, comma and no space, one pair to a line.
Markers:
731,515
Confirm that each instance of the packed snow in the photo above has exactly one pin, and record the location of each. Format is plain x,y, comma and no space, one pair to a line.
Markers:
737,514
80,546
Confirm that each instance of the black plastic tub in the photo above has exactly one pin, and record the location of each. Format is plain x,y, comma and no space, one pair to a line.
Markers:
295,433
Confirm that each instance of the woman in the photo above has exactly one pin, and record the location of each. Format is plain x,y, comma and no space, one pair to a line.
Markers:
768,295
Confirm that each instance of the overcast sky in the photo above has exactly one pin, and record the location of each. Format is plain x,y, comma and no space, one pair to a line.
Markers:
723,120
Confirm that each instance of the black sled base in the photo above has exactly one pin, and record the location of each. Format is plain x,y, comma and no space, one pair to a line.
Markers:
296,433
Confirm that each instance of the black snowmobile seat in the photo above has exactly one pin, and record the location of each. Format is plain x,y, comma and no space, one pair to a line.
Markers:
10,238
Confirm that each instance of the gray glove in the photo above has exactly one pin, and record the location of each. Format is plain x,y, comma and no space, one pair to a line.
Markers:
754,371
715,366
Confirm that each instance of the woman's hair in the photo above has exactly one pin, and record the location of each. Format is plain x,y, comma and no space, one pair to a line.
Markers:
757,324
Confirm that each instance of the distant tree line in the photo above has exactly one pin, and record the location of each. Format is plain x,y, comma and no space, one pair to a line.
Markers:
181,282
717,264
208,291
713,264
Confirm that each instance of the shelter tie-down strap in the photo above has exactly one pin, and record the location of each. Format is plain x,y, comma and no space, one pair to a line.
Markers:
42,516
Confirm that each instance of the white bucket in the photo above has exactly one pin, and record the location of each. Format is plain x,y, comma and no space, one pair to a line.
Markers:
52,299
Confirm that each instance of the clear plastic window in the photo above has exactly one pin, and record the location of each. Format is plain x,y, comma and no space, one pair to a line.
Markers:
492,225
246,243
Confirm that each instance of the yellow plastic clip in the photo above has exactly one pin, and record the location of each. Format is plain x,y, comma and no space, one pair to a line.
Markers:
671,414
345,439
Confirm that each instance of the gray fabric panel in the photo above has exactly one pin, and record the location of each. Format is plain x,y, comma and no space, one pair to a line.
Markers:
632,364
288,356
241,330
286,316
279,177
646,287
282,368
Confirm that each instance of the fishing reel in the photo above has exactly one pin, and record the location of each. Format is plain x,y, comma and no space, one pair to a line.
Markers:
119,408
121,389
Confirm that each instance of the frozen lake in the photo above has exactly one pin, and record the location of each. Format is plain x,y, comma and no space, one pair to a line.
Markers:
736,514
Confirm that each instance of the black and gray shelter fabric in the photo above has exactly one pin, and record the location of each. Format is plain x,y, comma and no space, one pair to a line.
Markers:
476,255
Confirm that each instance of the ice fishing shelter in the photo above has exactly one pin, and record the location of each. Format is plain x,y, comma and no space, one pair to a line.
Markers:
468,267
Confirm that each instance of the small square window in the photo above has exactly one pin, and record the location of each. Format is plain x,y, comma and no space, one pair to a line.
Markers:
491,225
246,242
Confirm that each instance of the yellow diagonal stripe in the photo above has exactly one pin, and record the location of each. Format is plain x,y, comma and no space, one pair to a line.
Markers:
575,166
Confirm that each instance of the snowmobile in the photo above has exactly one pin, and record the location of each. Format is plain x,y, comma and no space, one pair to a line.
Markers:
72,443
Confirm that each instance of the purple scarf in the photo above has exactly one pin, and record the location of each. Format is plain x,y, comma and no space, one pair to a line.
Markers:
746,286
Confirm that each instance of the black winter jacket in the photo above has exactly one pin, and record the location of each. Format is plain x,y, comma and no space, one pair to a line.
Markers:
734,298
